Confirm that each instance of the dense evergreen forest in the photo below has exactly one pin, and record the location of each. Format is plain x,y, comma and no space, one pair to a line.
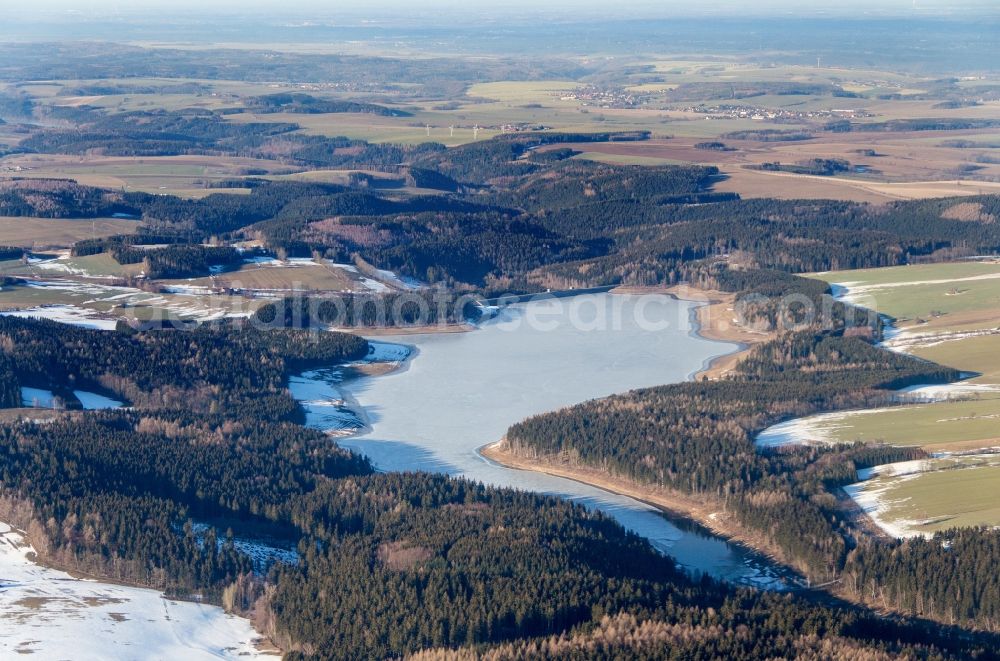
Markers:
236,368
389,564
697,438
308,104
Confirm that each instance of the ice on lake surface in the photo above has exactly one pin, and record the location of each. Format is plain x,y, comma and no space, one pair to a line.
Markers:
319,395
463,390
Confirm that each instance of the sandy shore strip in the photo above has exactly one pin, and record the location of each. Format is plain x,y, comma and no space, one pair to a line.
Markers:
389,331
714,320
706,512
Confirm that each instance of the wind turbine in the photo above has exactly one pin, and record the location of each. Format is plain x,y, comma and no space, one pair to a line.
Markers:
475,132
428,130
452,131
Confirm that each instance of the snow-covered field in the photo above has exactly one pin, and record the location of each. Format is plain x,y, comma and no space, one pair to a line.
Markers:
874,498
67,314
946,391
855,292
810,430
873,491
907,340
878,492
400,281
93,402
186,301
51,615
367,283
37,398
291,262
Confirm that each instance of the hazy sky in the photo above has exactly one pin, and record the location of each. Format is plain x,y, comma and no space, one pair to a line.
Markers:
506,7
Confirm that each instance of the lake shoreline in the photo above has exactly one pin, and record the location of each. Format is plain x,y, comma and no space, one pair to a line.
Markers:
703,513
706,519
711,320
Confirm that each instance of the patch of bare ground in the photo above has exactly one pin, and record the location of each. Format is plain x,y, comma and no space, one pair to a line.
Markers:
968,212
786,186
402,555
414,330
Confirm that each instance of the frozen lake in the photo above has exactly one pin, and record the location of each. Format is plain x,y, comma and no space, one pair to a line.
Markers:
460,391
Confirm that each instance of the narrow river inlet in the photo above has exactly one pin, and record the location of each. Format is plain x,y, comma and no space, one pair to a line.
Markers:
460,391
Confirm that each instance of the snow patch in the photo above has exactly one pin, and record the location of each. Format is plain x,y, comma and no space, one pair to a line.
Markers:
291,262
53,615
261,553
946,391
37,398
374,285
400,281
813,429
66,314
93,402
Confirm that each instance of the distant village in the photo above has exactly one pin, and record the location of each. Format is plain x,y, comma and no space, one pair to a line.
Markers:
741,111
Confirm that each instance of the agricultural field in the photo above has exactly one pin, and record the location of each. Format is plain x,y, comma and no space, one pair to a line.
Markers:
949,314
186,176
976,353
81,289
884,165
62,265
624,159
950,426
294,275
928,298
902,168
941,494
47,233
78,301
